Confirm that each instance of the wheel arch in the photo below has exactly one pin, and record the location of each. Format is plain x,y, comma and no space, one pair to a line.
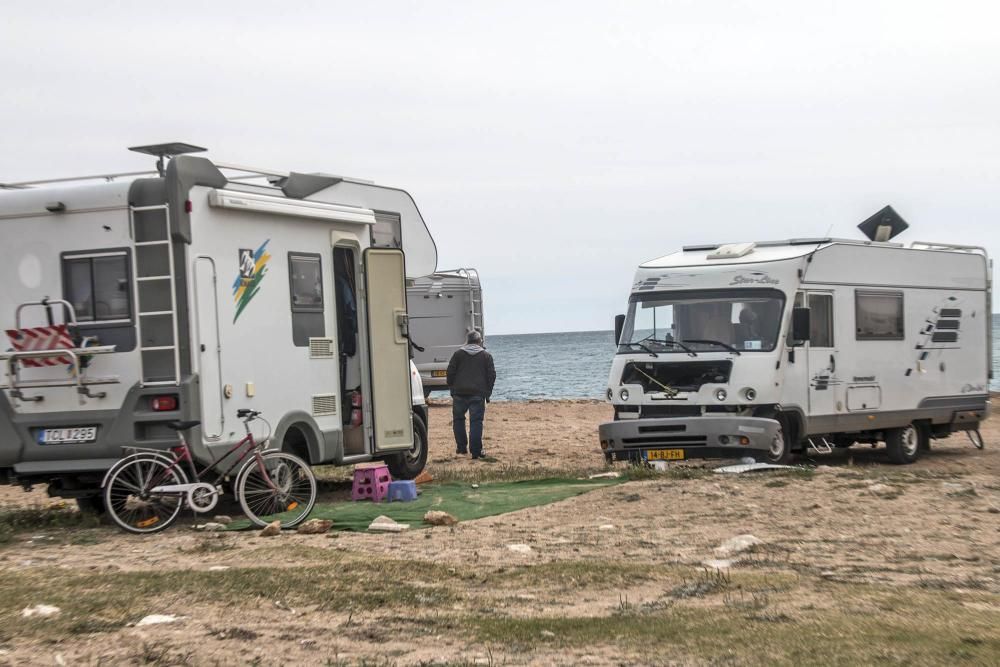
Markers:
297,433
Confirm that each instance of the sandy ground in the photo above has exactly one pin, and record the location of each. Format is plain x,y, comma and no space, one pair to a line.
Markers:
856,540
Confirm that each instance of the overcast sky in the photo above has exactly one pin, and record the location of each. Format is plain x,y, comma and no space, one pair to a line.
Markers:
552,145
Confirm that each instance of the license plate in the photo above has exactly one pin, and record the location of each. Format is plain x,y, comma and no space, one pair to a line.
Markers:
439,374
665,454
54,436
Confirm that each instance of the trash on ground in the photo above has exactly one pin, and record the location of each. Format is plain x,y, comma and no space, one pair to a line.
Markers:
210,527
158,619
384,524
738,544
606,526
223,519
604,475
423,477
271,529
717,564
40,610
738,468
520,548
438,518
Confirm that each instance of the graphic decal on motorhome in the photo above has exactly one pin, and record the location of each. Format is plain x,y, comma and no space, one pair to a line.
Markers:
940,331
253,268
754,278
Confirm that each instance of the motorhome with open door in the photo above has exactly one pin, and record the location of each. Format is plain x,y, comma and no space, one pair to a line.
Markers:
762,349
444,307
133,300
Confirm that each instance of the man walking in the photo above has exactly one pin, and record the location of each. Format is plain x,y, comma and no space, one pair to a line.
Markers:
471,376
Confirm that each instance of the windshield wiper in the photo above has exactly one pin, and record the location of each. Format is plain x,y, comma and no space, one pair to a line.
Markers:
709,341
642,347
675,343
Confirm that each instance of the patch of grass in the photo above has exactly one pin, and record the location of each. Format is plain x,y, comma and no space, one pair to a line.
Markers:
14,520
508,472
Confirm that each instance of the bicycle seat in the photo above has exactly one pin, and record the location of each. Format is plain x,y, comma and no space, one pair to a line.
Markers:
182,425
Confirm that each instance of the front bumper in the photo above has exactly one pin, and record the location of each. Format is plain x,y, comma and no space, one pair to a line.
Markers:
704,437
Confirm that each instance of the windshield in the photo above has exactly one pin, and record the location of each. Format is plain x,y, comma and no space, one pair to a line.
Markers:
744,320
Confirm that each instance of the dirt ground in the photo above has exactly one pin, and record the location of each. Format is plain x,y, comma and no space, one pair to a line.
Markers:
854,561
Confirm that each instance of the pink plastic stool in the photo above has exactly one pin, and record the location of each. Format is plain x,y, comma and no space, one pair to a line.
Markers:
371,483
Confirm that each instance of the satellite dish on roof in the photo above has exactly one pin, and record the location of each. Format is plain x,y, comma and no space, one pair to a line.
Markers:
884,225
167,150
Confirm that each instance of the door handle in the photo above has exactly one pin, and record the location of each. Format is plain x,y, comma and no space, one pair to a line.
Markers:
833,364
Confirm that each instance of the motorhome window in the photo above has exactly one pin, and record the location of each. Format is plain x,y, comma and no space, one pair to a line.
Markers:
878,315
98,286
821,320
708,321
305,278
386,232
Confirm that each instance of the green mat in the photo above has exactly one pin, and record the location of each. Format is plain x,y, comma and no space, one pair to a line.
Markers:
458,499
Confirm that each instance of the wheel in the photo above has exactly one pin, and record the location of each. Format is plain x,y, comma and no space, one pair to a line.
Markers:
780,450
128,501
285,489
409,464
904,444
427,393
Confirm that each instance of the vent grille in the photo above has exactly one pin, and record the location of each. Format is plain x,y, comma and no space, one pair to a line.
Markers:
321,348
324,404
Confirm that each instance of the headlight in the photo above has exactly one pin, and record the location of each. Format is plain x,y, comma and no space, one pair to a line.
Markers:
721,394
611,394
623,394
750,393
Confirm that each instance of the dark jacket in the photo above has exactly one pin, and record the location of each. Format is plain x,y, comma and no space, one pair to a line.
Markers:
471,372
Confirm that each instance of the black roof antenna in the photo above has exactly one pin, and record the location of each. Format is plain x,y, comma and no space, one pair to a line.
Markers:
884,225
167,150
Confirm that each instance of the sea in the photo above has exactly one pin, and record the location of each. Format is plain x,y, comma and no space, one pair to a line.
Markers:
577,364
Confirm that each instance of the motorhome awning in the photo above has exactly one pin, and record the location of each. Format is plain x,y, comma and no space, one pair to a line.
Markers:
301,208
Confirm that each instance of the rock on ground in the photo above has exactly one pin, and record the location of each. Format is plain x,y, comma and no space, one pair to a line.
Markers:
315,526
40,610
158,619
738,544
384,524
271,529
883,490
438,518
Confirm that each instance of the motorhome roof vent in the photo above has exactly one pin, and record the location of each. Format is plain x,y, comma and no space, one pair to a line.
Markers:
732,250
884,225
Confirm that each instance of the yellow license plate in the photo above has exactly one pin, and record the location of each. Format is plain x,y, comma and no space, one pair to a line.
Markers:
439,374
665,454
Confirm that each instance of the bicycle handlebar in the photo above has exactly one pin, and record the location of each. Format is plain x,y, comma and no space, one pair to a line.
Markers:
246,413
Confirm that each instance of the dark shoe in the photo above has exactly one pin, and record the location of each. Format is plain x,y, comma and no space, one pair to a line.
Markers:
484,458
459,452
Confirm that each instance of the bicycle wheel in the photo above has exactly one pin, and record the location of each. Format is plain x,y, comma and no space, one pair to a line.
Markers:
281,487
127,494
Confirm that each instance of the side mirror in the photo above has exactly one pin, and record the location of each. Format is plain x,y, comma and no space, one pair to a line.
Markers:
800,325
619,325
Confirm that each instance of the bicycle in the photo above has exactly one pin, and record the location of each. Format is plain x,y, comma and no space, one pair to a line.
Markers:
146,490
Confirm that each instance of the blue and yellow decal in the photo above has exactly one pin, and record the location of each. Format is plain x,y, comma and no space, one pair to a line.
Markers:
253,268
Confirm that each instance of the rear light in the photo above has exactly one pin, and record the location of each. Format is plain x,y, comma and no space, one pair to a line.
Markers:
188,207
164,403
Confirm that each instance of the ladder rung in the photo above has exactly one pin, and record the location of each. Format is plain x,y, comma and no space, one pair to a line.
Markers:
154,278
156,348
155,312
139,243
159,383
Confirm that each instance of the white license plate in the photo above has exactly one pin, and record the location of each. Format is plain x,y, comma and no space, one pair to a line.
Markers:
53,436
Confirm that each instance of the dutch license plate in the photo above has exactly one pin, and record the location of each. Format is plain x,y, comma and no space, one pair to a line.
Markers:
439,374
56,436
665,454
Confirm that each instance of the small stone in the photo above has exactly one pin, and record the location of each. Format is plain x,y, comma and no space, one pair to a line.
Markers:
384,524
437,518
271,529
40,610
157,619
519,548
606,526
717,564
211,527
604,475
883,490
548,633
223,519
315,527
738,544
475,486
218,568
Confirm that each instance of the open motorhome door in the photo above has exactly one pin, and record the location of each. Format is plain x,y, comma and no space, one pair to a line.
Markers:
388,349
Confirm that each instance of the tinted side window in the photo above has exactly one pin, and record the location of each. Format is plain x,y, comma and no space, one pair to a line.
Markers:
305,286
821,320
98,287
878,315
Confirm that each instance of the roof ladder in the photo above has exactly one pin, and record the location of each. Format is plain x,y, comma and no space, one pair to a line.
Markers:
156,295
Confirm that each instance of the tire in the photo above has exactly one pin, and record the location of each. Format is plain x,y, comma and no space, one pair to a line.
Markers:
286,493
427,393
781,447
905,444
409,464
126,496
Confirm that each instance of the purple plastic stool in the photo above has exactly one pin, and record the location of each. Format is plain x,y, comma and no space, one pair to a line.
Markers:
371,483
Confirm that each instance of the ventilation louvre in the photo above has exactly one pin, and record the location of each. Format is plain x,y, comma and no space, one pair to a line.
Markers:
321,348
324,405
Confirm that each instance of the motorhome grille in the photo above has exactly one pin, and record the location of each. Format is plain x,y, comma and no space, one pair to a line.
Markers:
324,405
666,440
321,348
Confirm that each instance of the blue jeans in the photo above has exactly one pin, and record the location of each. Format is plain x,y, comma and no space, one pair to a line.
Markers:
476,407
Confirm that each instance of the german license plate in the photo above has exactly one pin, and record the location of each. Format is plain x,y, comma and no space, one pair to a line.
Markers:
57,436
439,374
665,454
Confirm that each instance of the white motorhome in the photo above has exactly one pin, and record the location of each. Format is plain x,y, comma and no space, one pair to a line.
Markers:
133,300
763,349
444,307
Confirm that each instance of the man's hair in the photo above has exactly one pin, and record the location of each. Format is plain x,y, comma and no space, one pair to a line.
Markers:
474,338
